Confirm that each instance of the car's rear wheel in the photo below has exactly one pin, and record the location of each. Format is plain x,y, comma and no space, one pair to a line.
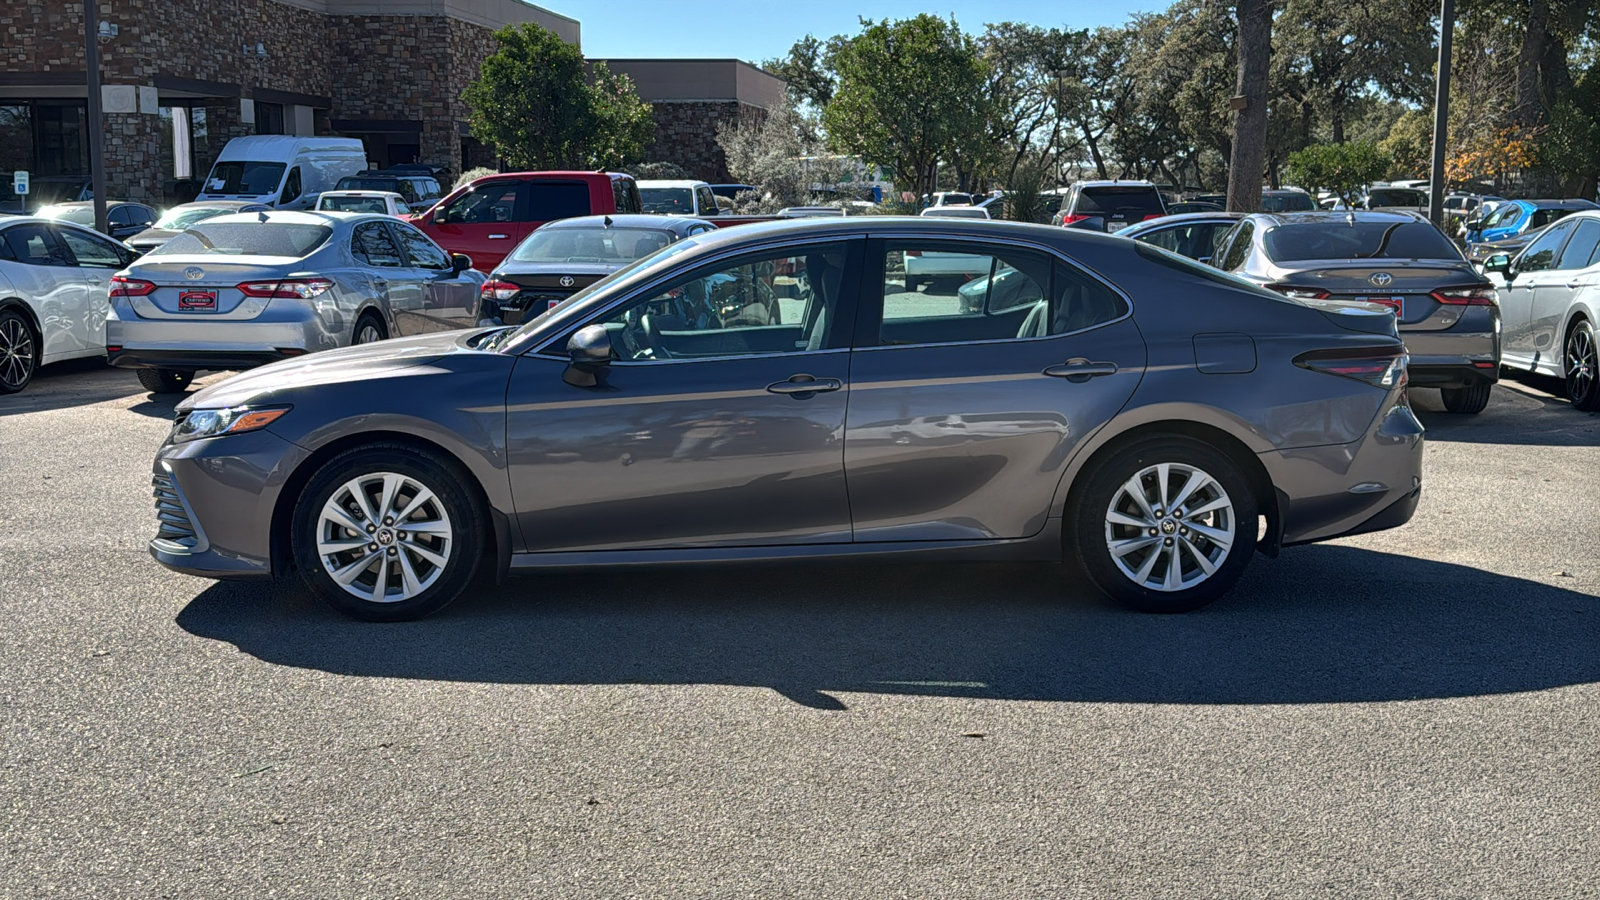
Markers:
1468,400
1582,366
387,533
19,352
166,381
369,329
1165,525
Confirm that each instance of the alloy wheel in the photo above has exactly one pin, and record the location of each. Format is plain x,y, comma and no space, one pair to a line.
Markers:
384,537
16,352
368,334
1582,365
1170,527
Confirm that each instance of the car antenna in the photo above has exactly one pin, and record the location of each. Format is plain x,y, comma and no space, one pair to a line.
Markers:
261,215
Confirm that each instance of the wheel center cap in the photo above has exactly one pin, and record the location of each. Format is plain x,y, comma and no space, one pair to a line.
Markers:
1168,526
385,537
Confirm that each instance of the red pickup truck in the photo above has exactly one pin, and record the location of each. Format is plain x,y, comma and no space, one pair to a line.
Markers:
487,217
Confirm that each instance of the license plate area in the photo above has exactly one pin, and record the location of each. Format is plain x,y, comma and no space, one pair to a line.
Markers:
1398,304
197,301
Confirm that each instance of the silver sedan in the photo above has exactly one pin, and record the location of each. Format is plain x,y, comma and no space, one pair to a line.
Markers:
241,290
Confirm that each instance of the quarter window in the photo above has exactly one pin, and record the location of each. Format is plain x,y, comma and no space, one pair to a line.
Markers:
755,305
371,243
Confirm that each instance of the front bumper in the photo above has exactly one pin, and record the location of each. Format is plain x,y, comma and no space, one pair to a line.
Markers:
1339,489
227,488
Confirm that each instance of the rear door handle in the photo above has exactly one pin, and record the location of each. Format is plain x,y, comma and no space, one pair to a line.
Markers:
498,237
1081,370
802,386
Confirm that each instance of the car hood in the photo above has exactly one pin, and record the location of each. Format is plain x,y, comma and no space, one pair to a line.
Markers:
358,363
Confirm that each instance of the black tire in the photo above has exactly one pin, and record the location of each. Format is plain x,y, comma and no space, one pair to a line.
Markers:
369,324
1092,533
166,381
19,352
1580,361
912,284
1468,400
454,504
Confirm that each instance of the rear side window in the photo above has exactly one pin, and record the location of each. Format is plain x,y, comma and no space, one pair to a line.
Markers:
1136,202
1339,239
246,239
36,246
551,200
372,244
1543,217
1581,249
1239,248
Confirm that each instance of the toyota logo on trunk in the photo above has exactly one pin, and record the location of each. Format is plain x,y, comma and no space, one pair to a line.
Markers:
1381,279
568,281
194,273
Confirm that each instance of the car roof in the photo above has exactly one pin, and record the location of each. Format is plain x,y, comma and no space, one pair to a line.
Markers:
361,193
1313,217
1114,183
670,183
941,227
1180,218
80,204
219,204
294,217
624,220
1560,204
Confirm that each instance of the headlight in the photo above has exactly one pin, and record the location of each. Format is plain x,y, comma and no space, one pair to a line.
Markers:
204,423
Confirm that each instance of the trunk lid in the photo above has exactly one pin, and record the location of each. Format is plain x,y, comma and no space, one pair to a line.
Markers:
1405,286
205,286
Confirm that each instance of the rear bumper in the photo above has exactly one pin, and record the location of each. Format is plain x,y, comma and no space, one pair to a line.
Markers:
1340,489
212,360
1464,355
198,343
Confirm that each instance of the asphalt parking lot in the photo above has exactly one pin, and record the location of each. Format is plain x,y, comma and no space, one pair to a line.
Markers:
1408,713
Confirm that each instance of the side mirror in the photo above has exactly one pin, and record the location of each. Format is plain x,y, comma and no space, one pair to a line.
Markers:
460,262
1499,262
1474,224
590,352
1204,260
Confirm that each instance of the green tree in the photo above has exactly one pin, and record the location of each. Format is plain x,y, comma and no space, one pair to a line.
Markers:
1341,168
910,93
1409,145
541,107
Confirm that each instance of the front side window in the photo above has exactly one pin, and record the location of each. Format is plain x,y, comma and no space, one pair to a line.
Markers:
91,251
755,305
1541,254
371,243
291,188
118,216
487,205
424,253
708,201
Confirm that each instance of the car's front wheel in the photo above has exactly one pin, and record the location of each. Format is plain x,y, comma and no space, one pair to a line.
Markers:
387,533
19,354
1582,366
1166,525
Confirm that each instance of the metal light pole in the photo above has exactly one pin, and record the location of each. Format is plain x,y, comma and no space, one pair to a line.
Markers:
1441,112
96,126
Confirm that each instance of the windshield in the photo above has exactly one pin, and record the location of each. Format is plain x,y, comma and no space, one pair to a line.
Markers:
602,245
77,215
1289,202
241,177
179,219
1338,239
353,204
667,201
1139,200
246,239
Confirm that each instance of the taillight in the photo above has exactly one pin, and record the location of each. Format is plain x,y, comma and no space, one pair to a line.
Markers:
1383,367
296,289
130,287
1070,218
1298,293
1476,295
913,252
1152,216
499,290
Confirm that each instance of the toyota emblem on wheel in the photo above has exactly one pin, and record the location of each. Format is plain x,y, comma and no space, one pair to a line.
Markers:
1381,279
567,281
194,273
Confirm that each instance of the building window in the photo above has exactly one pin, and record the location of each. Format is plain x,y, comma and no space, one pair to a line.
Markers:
269,118
59,137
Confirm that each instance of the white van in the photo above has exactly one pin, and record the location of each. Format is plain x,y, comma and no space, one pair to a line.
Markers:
282,170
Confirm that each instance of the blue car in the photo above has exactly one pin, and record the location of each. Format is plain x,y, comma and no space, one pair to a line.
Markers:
1520,216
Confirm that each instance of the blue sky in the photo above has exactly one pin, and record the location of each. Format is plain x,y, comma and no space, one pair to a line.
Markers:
761,29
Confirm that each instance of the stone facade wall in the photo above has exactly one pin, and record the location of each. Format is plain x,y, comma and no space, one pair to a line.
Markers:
132,152
686,134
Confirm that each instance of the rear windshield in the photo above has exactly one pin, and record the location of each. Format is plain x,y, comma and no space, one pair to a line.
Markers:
246,239
356,183
1338,239
1539,219
602,245
179,219
1291,202
353,204
1140,200
241,177
667,201
548,201
1391,197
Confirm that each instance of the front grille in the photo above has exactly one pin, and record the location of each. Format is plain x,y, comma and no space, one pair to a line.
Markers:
172,519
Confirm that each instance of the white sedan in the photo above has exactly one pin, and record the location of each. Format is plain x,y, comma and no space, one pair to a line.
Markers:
384,202
54,278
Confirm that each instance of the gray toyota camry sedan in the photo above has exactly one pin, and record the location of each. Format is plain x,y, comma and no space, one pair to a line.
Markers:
1157,419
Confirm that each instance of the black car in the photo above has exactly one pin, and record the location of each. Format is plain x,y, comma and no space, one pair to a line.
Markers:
420,189
566,256
1109,205
124,219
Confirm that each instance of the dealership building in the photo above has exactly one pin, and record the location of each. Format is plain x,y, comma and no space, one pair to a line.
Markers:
182,77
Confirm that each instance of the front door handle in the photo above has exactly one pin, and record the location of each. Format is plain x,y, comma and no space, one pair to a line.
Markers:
801,387
498,237
1081,370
